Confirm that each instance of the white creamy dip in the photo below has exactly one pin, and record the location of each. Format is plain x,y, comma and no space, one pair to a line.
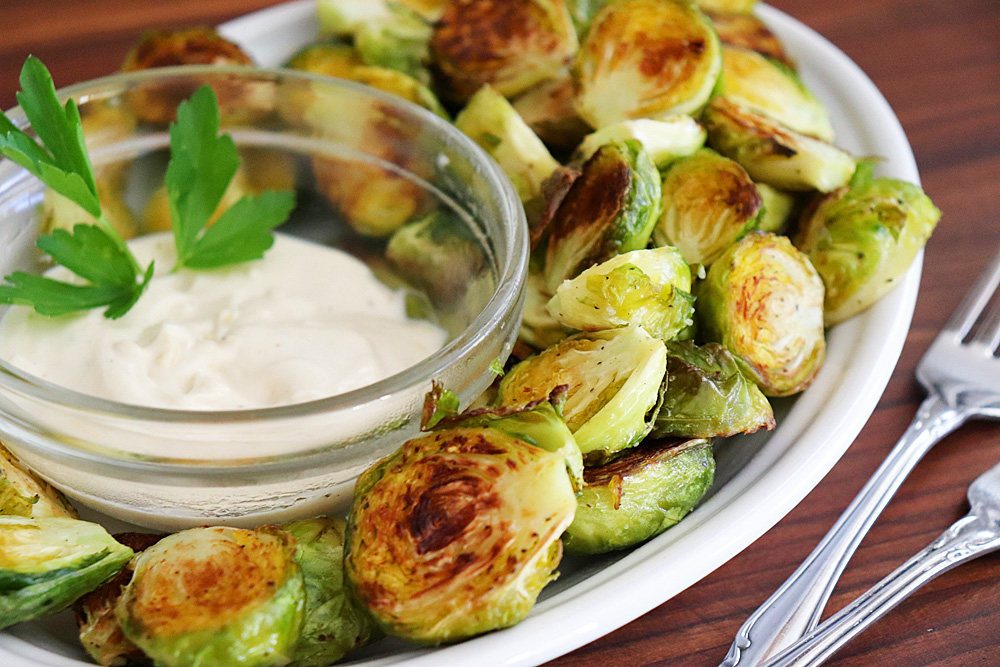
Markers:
303,323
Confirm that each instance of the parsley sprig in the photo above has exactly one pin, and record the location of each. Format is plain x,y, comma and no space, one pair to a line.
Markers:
202,165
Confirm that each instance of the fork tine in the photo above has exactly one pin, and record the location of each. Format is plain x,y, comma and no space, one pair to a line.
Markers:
976,299
989,330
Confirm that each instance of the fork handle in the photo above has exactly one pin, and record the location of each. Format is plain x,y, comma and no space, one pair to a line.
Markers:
796,607
967,538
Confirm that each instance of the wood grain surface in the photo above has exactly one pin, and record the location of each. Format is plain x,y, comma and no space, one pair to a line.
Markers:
938,64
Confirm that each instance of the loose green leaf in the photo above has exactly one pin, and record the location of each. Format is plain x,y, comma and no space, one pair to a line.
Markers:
242,232
89,253
496,367
53,297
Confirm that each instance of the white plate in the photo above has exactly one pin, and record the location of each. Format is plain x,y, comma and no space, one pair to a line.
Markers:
759,479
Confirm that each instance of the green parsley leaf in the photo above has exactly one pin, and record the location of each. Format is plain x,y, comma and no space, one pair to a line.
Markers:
95,253
242,232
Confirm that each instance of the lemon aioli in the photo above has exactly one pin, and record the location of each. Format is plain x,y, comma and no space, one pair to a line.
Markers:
303,323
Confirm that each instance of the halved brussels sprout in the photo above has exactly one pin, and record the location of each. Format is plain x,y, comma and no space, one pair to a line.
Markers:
329,59
706,395
491,121
216,596
779,205
709,203
438,255
343,18
538,328
23,494
863,238
583,12
764,301
157,103
549,111
640,494
610,209
429,9
100,633
614,384
456,533
766,86
646,59
509,45
398,42
772,153
46,564
750,32
650,288
665,140
334,623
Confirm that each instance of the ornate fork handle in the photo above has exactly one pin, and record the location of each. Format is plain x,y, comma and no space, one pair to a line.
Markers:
796,607
968,538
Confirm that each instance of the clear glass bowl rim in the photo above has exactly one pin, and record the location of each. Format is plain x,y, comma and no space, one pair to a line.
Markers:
513,265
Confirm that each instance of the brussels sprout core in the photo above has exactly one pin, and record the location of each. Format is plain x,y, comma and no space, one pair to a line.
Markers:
457,532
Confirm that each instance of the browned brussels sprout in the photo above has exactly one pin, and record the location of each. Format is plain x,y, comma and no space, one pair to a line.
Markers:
650,288
399,42
706,395
23,494
766,86
750,32
216,596
491,121
863,238
457,532
334,624
610,209
772,153
640,494
646,59
47,564
613,379
510,45
190,46
548,109
764,301
779,208
329,59
709,203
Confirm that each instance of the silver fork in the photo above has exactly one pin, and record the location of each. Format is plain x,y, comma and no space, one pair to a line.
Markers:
962,379
974,535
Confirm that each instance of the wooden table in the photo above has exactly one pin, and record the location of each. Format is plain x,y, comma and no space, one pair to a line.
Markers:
938,63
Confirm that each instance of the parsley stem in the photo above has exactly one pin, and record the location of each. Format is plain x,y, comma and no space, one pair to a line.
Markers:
119,242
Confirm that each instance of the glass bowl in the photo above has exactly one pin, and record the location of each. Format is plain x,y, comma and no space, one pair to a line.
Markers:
362,162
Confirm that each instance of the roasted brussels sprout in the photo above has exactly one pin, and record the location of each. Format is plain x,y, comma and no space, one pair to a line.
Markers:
334,623
764,301
640,494
610,209
613,379
650,288
438,255
706,395
510,45
46,564
665,140
216,596
863,238
583,12
429,9
709,203
155,103
492,122
750,32
100,633
329,59
772,153
549,111
398,42
777,210
23,494
646,59
766,86
456,533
